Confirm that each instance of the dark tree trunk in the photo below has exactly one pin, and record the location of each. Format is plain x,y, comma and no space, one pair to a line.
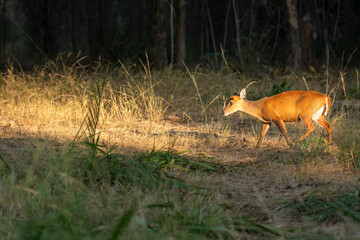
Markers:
294,55
180,51
61,27
95,33
305,40
158,55
3,26
237,30
79,26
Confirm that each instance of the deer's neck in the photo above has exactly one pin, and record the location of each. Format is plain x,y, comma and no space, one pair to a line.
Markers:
254,108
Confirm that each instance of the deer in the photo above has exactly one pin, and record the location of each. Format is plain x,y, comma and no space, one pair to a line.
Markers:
290,106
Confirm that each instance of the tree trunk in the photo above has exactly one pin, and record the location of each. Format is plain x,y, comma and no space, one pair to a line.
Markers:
180,52
95,33
211,28
158,55
237,30
79,27
294,56
305,40
3,26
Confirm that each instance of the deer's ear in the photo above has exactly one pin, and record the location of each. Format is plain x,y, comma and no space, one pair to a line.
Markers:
243,93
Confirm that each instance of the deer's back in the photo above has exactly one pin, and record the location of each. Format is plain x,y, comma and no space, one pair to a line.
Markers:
289,106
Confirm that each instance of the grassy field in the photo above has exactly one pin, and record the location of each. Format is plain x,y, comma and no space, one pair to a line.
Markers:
121,152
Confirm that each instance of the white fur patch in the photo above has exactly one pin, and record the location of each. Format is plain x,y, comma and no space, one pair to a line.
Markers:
326,108
318,114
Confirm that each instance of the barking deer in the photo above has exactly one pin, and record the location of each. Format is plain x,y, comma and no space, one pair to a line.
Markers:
288,106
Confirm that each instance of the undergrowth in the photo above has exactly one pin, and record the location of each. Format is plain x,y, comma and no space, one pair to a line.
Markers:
310,149
329,207
349,146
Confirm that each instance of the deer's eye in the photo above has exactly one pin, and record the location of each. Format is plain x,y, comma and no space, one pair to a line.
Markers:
231,103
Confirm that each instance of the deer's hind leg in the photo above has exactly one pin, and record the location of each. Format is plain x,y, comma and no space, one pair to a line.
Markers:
308,123
322,122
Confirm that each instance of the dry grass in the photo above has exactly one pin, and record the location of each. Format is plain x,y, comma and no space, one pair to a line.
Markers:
144,110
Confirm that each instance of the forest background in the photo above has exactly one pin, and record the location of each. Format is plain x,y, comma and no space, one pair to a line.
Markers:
292,33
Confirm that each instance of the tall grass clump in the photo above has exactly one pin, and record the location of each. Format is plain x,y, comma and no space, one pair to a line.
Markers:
135,99
311,148
56,95
347,119
46,96
349,145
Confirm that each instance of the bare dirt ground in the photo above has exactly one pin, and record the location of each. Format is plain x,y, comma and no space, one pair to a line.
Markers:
256,181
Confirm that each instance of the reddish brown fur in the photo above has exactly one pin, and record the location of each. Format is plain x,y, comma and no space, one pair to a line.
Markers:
284,107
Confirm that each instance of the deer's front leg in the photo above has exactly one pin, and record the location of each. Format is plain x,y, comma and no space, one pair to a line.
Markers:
264,130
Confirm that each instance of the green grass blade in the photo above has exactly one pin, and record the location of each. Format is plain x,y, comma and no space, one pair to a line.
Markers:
123,222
